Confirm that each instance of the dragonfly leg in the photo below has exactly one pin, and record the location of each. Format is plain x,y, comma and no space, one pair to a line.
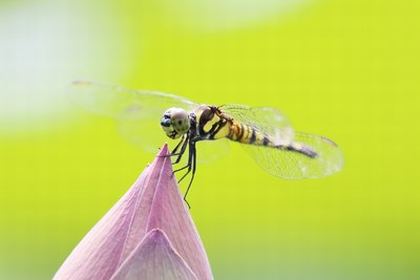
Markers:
183,148
174,151
180,169
189,164
194,164
177,146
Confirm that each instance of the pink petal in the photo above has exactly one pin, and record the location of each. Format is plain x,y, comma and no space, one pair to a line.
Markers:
98,254
152,202
170,214
154,259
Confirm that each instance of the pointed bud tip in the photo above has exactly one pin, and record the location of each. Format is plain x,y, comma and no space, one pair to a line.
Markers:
164,151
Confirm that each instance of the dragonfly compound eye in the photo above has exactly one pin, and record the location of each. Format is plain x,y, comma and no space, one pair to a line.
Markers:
175,122
180,121
165,122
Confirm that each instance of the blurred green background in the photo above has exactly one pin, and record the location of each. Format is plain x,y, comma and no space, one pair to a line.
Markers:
345,69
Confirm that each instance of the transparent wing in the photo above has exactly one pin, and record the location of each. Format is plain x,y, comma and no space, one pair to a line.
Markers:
138,112
282,163
267,120
292,165
210,151
118,102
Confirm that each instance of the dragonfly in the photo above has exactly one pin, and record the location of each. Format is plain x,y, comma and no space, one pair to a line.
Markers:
264,132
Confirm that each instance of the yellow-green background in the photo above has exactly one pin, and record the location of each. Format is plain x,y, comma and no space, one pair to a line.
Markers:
346,69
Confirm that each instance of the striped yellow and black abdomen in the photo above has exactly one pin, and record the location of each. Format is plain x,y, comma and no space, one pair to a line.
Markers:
247,134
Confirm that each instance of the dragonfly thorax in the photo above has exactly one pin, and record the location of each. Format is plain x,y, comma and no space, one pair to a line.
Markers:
175,122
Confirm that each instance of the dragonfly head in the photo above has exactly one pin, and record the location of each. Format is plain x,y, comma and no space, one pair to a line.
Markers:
175,122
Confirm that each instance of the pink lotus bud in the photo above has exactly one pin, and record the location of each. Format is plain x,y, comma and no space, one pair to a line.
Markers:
148,234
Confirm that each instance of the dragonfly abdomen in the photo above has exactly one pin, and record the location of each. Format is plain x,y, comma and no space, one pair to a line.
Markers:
247,134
